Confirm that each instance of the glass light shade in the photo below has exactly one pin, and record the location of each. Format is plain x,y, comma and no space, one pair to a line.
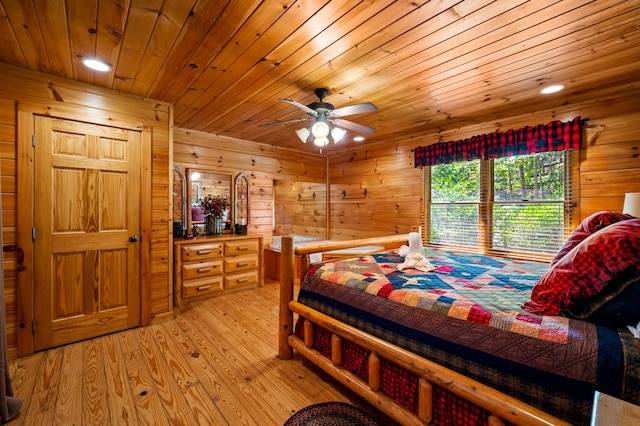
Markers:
337,133
320,130
632,204
303,134
321,141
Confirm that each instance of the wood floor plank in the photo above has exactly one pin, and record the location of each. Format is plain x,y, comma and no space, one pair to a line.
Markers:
261,363
68,408
49,372
121,406
146,401
45,389
95,407
230,405
174,347
216,363
175,406
235,372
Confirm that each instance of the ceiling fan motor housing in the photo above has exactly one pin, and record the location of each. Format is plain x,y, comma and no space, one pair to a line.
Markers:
321,107
321,93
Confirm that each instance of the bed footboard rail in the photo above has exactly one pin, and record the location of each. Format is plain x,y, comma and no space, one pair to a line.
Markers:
501,406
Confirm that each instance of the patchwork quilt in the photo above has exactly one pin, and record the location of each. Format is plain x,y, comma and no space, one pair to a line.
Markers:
467,316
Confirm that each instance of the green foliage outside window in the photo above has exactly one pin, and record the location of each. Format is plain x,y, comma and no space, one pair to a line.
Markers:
529,177
527,211
456,182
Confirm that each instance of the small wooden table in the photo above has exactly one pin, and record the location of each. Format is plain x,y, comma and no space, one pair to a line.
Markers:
608,411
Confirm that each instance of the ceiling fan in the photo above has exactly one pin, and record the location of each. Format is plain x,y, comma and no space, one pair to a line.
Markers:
323,114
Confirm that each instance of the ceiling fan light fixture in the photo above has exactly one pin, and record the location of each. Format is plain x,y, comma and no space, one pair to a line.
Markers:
320,130
303,134
337,134
358,138
321,133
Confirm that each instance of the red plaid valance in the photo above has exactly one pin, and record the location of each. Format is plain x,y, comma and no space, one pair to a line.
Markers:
555,136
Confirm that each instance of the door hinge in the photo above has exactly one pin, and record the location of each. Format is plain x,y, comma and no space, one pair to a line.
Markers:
33,140
33,233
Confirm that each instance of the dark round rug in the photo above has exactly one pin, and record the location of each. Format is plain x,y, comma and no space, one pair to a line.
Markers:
332,414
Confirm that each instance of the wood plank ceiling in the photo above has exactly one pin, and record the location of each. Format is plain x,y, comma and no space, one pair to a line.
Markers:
428,66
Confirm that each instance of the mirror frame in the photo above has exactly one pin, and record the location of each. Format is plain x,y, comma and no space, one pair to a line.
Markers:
239,199
190,202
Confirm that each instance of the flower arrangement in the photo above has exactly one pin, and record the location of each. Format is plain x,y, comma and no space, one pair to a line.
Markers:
215,205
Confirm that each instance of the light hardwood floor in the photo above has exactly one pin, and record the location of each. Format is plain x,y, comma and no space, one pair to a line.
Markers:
215,364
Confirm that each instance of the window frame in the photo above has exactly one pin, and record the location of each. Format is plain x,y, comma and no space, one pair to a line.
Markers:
486,203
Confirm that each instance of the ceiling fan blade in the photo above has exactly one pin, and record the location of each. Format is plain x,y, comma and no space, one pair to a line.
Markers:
354,109
355,127
299,105
274,123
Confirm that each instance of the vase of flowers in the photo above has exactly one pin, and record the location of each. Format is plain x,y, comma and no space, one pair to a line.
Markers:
214,207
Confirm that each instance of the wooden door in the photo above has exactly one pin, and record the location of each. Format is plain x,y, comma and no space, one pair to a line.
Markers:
87,231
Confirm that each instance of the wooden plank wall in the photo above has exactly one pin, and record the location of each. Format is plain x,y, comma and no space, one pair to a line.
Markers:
293,171
300,208
19,85
609,167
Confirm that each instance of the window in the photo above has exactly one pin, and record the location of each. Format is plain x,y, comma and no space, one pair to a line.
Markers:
520,205
455,203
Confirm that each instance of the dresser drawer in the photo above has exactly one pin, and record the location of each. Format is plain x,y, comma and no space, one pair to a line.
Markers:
202,287
198,252
240,263
233,248
241,280
203,269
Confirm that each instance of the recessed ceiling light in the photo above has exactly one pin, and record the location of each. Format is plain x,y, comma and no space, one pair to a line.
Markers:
552,89
97,65
358,138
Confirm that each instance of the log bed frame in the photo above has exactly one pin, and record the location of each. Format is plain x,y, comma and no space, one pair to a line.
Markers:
501,406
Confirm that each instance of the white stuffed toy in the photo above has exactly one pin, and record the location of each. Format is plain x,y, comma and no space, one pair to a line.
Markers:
414,255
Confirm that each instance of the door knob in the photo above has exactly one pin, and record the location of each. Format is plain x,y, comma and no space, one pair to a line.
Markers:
133,238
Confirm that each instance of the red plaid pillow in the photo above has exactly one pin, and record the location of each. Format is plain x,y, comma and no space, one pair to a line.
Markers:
588,268
592,224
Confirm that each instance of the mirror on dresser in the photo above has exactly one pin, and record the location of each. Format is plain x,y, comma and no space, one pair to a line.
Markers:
202,183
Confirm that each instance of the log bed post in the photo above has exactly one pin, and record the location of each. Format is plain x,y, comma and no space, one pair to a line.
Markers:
287,267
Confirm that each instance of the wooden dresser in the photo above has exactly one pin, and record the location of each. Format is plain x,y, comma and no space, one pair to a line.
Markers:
210,266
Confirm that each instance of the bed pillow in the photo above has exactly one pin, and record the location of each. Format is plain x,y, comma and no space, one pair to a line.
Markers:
616,306
591,224
587,269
